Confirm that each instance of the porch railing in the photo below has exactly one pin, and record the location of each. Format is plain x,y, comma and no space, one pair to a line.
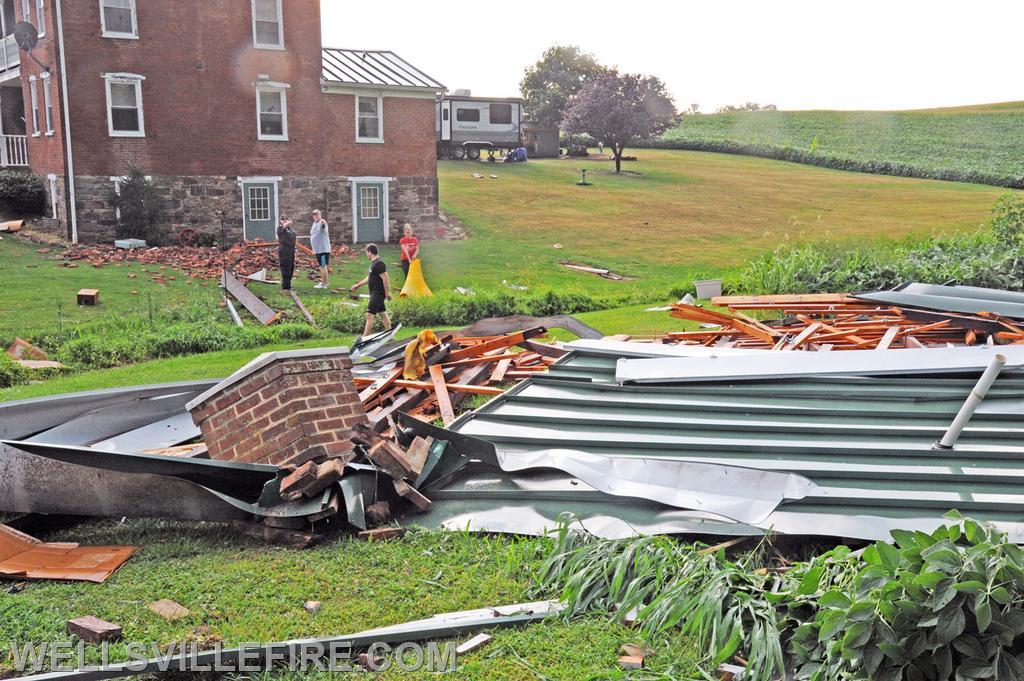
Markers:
13,151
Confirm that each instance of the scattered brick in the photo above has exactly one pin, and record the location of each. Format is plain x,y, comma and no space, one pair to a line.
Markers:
94,630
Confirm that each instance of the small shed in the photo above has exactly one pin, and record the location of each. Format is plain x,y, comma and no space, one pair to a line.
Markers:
542,139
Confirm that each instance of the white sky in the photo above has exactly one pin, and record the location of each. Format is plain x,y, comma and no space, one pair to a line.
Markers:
797,54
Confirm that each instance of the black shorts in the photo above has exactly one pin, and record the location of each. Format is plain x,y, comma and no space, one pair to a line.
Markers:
323,259
376,305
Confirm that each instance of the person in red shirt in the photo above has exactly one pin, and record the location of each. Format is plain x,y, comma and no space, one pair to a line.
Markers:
410,248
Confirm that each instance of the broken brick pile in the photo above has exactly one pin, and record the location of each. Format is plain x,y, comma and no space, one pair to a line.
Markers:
283,408
198,262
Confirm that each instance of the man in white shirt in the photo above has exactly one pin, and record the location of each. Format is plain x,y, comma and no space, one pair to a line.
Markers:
320,242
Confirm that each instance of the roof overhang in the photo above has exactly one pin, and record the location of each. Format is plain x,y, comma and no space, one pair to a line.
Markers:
408,91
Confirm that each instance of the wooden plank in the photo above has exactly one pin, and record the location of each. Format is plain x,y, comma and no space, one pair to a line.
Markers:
888,338
484,359
803,336
232,311
260,310
380,386
783,299
544,349
427,385
302,308
499,371
444,401
481,348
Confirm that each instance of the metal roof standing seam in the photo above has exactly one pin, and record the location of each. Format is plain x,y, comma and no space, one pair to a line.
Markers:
374,67
963,299
865,443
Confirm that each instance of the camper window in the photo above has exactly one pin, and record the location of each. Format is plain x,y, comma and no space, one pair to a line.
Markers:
467,115
501,114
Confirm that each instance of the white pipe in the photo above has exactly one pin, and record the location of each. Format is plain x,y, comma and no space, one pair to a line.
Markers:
972,403
72,209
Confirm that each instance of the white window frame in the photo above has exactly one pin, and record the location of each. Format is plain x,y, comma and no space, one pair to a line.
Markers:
41,17
26,10
51,180
125,79
134,35
280,30
33,93
47,103
379,139
268,86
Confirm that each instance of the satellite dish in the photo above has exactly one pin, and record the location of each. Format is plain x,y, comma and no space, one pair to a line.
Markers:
26,35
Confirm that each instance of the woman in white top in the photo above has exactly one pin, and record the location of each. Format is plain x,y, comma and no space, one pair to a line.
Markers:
320,242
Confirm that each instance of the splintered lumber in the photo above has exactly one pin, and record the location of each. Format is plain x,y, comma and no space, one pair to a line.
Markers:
12,226
198,450
379,386
499,371
887,338
483,359
495,344
444,402
260,310
749,327
312,478
382,533
544,349
302,308
475,643
427,385
740,302
22,349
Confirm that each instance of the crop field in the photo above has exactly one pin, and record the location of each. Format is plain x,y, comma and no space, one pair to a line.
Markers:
982,144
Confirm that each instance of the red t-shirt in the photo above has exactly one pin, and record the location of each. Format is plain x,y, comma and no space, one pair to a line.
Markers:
409,244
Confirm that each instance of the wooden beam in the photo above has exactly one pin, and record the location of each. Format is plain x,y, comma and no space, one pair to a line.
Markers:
427,385
444,401
888,338
499,371
481,348
260,310
302,308
380,386
803,336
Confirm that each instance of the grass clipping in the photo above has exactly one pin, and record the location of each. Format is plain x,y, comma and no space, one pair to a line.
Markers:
945,605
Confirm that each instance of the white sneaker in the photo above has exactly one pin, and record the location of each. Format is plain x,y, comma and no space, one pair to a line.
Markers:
319,286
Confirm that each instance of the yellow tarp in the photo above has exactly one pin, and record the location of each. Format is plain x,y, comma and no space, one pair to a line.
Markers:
416,354
415,284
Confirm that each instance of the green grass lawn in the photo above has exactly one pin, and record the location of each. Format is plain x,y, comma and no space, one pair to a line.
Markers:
247,592
985,139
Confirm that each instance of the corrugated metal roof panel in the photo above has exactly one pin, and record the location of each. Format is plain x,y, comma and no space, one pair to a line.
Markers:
374,67
866,443
963,299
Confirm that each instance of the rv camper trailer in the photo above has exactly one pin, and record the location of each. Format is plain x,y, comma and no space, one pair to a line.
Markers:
467,125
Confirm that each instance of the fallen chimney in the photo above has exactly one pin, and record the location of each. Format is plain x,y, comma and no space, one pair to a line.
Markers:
282,408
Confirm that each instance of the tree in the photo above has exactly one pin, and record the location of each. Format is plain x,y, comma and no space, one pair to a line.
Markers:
618,109
140,207
559,74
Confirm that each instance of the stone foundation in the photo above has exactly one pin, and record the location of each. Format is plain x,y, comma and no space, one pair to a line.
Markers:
193,202
282,408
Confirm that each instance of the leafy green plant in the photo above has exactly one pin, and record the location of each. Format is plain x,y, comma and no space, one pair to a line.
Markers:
140,206
22,193
10,373
940,606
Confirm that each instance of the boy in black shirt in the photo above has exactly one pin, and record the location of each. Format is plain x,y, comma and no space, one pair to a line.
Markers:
380,289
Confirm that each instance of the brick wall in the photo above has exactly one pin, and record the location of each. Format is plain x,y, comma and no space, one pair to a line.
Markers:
45,151
286,407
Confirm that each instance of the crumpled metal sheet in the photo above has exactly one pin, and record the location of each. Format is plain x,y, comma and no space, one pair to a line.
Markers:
744,495
962,299
25,557
628,349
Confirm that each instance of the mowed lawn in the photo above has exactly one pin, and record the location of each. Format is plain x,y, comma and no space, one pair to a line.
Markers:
674,214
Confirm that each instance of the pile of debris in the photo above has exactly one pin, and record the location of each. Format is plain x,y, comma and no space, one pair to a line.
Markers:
911,316
29,356
431,375
196,261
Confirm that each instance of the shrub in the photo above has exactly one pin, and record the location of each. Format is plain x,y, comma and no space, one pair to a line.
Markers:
21,193
141,207
10,373
190,339
101,352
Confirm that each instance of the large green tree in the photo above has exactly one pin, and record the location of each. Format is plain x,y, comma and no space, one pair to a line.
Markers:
558,75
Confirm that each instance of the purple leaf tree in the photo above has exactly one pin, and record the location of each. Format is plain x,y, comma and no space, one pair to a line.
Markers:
618,109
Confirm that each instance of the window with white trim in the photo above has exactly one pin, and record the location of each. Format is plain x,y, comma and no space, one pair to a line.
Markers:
124,105
259,203
267,24
272,112
369,121
41,17
33,93
118,19
369,203
26,10
48,102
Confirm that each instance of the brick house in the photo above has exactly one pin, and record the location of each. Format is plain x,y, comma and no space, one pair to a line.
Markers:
228,105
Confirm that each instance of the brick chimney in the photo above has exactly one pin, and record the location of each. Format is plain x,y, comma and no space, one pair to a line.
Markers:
282,408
